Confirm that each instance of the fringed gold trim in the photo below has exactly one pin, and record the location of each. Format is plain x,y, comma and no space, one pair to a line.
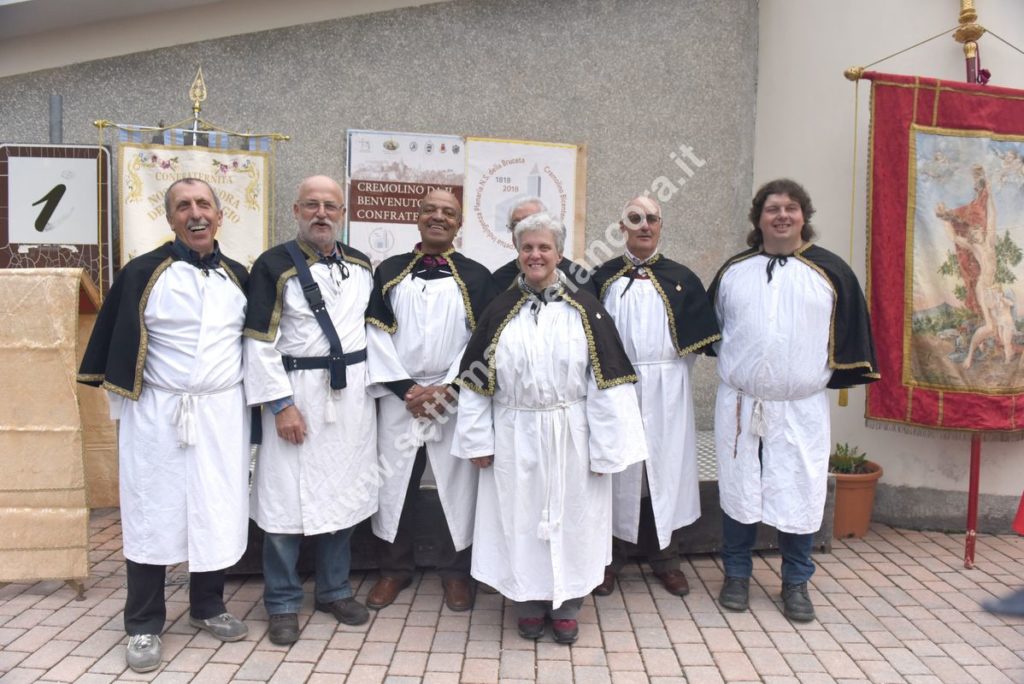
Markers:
140,359
700,344
462,288
354,260
492,374
618,274
401,274
595,361
932,431
377,323
275,315
89,377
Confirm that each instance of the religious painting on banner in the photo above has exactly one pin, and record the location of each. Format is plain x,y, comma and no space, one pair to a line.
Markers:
238,177
946,271
501,172
387,175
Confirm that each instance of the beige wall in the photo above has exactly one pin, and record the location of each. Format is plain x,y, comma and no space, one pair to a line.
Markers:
804,129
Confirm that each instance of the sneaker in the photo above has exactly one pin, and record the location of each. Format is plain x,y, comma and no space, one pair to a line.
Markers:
796,604
143,654
566,631
346,610
735,594
225,626
283,629
531,627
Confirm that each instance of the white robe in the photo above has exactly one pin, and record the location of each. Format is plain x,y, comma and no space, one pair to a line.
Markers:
773,361
544,515
329,482
426,347
666,402
187,501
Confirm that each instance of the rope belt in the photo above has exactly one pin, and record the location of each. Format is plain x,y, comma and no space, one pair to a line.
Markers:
185,412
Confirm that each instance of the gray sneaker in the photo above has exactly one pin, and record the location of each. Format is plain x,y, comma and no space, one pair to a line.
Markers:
796,603
225,626
143,654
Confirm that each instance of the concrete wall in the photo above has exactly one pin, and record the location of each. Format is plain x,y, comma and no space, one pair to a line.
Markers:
631,80
804,129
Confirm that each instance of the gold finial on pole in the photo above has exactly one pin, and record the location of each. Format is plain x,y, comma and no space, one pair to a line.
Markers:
968,34
854,73
197,92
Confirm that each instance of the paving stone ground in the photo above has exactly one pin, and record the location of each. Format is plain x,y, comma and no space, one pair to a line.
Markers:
896,606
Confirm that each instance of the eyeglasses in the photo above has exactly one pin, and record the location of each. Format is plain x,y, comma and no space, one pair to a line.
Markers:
636,219
314,206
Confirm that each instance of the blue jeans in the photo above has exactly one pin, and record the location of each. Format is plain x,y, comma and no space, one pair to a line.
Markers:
738,543
282,591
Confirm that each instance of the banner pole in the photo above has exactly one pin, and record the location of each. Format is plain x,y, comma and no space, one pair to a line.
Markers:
972,501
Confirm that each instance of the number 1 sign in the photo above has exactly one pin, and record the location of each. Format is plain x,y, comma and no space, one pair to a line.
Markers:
55,208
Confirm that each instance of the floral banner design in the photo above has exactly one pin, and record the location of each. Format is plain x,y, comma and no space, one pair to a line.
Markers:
238,177
946,271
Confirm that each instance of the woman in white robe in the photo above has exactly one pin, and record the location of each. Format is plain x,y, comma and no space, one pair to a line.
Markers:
553,411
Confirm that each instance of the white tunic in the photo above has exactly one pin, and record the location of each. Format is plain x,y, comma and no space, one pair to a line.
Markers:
426,347
666,402
543,519
184,453
329,482
773,368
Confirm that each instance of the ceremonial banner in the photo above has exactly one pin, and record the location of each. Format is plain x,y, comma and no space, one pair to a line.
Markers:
501,172
387,175
946,232
238,177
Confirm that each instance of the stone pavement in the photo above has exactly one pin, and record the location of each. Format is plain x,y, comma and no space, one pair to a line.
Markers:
896,606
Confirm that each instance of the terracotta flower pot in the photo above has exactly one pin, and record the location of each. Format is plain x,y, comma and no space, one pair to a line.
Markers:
855,497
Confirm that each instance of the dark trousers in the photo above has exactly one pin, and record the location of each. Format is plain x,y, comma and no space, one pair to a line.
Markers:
145,608
660,560
397,559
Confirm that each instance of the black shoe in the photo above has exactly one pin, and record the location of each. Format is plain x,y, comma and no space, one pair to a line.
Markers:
284,629
565,631
346,610
796,604
735,594
531,627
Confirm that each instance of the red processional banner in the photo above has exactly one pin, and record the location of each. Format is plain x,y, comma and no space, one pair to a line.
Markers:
946,266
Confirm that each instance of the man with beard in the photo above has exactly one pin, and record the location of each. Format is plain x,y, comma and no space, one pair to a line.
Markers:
305,362
794,323
664,318
168,339
424,307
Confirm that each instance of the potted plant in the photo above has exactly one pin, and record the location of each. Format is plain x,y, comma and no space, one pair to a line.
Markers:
856,479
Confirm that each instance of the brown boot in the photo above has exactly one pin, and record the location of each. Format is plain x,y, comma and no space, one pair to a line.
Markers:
674,582
606,587
458,593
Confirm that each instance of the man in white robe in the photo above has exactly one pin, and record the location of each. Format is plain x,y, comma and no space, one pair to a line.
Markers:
423,309
167,346
316,472
794,322
664,318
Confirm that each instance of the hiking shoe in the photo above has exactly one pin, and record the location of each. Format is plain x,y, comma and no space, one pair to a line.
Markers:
346,610
143,654
566,631
735,594
283,629
796,604
225,626
531,627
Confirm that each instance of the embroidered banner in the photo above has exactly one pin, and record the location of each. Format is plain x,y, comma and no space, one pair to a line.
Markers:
946,266
238,177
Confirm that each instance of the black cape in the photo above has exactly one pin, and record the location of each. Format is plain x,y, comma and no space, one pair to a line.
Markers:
851,349
474,281
505,277
271,271
608,358
116,353
691,318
